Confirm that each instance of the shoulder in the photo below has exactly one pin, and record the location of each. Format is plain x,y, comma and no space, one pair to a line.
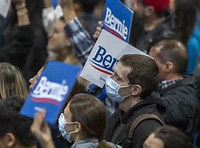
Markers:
143,130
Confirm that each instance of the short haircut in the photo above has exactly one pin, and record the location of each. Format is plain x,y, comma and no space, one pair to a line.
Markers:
174,51
12,122
90,113
172,137
144,72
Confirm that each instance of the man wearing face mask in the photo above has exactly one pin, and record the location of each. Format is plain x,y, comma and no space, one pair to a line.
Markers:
135,78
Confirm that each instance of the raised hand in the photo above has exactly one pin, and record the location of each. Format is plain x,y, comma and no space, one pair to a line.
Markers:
98,30
41,130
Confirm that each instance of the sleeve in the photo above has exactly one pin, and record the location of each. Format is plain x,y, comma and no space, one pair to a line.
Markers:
143,130
80,39
17,50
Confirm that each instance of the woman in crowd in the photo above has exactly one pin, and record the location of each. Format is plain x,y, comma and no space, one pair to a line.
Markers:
83,122
12,82
59,47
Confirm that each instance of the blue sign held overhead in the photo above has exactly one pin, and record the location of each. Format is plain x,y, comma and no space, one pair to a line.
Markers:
118,19
51,91
55,3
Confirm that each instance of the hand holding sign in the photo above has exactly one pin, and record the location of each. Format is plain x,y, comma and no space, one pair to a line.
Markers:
51,90
41,130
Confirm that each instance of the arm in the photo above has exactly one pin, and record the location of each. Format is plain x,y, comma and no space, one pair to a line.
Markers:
79,38
42,131
18,48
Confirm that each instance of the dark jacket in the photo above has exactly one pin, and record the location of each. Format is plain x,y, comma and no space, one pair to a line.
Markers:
16,51
181,100
119,123
162,31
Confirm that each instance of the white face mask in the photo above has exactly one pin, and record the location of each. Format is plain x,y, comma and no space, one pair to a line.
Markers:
112,90
61,126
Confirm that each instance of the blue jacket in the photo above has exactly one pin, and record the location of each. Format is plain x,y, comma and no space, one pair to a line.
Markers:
193,49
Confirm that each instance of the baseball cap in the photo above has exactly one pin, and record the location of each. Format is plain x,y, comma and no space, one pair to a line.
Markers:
157,4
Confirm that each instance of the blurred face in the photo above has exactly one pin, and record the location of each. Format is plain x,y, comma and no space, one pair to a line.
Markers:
153,53
58,42
153,142
138,7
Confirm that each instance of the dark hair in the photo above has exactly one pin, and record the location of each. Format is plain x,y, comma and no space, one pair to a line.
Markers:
185,12
174,51
172,137
144,72
87,5
12,122
91,114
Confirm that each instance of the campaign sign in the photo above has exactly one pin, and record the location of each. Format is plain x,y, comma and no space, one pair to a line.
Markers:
51,91
103,57
54,3
118,19
4,7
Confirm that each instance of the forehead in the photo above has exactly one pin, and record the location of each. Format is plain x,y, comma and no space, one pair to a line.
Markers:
154,51
153,142
122,70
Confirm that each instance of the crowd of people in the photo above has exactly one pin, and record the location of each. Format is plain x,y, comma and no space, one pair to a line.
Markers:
150,101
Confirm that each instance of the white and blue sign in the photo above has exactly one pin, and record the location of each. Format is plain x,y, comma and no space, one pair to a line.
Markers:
51,91
118,19
104,56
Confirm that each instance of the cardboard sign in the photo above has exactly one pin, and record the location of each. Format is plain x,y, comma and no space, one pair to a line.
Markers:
103,57
51,91
118,19
4,7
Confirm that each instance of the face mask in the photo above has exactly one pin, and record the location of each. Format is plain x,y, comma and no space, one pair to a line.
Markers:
61,126
112,90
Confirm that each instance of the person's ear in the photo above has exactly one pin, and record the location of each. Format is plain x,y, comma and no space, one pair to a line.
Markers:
149,10
169,66
9,140
78,127
136,90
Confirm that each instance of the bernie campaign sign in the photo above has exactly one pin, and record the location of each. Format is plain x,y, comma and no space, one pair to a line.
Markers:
51,91
103,57
118,19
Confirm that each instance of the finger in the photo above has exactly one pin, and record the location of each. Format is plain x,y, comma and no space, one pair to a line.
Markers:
99,29
38,121
100,23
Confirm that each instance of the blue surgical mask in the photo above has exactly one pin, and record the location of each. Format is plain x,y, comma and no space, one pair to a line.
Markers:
112,90
61,126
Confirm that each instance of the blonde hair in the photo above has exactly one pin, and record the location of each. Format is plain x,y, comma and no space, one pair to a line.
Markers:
12,82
